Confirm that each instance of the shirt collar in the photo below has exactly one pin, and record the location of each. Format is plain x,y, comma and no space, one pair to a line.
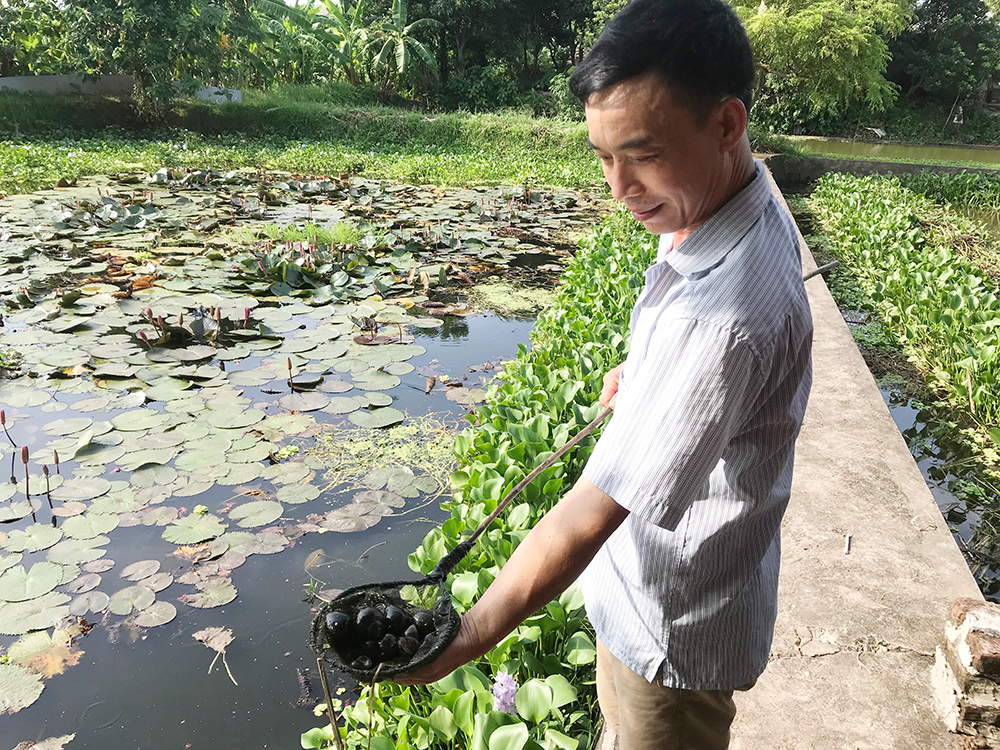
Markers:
707,245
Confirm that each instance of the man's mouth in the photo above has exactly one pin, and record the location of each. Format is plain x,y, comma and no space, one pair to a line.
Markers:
645,215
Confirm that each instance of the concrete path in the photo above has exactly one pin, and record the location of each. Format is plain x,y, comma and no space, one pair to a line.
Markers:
855,637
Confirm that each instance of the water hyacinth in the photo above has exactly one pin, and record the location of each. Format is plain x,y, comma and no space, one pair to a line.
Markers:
504,692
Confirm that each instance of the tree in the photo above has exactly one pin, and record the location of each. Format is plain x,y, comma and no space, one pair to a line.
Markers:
401,53
948,51
819,56
31,38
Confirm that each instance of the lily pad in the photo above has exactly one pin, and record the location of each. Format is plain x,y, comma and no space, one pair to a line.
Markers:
18,509
228,419
68,510
19,585
300,402
194,528
67,426
157,581
295,494
156,614
81,489
139,420
256,513
139,570
290,472
89,525
18,618
32,539
377,418
84,583
349,519
19,688
77,551
94,602
129,598
213,592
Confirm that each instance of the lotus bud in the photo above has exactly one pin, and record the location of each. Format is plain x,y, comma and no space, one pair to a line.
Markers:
143,338
246,316
24,455
148,312
24,460
288,364
160,324
218,315
45,470
180,318
55,460
261,267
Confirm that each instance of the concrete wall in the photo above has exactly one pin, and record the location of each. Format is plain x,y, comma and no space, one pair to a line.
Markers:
797,171
103,86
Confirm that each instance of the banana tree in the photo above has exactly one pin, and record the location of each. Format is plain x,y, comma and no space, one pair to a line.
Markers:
352,36
401,53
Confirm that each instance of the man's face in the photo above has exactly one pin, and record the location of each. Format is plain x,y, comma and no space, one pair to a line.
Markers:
666,169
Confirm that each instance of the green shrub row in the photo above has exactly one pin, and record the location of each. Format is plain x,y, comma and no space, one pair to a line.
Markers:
541,400
943,307
975,189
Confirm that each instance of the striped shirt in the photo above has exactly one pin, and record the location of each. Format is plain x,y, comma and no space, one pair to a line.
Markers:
700,448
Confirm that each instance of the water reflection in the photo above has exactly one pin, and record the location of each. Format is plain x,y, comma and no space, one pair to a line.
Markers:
895,151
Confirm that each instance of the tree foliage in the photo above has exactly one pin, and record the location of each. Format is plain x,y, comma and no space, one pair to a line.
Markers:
818,56
32,38
948,51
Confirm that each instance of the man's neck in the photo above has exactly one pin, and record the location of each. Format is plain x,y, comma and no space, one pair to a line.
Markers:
741,174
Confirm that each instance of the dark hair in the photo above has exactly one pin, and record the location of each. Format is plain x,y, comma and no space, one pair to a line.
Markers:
698,48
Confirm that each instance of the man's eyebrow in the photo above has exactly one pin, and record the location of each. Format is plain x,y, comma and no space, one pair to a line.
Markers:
635,143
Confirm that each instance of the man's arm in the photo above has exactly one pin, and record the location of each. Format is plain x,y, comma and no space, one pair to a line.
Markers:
547,561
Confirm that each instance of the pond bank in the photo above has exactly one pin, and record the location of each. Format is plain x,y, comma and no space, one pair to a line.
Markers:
794,172
856,633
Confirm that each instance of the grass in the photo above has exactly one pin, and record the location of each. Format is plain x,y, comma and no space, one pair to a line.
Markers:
303,129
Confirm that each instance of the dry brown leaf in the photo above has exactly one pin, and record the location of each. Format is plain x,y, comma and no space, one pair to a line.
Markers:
54,660
216,639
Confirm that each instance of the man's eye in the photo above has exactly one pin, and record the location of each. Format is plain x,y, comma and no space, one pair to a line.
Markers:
642,159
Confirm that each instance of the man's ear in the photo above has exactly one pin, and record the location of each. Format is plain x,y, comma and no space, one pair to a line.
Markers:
730,121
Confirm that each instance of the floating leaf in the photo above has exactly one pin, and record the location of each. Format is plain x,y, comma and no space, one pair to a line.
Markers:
76,488
44,654
233,418
349,519
377,418
256,513
194,528
300,402
83,584
342,405
132,597
51,743
17,618
89,525
214,592
32,539
217,639
139,570
94,602
19,688
157,582
67,426
297,493
77,551
139,420
290,472
156,614
18,585
375,380
17,510
68,510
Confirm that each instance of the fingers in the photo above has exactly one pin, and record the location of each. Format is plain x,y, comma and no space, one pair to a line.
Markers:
609,391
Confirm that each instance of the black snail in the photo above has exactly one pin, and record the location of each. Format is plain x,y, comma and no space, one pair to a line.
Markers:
378,634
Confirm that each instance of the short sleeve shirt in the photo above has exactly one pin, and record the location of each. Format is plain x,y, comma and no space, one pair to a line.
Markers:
700,447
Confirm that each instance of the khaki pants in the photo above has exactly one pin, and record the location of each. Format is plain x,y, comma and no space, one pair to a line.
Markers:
648,716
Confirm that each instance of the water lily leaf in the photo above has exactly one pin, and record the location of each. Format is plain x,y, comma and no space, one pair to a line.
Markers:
232,418
466,396
68,510
50,743
217,639
255,453
132,597
377,418
349,519
256,513
239,474
99,566
17,510
157,582
191,430
77,551
139,570
377,398
67,426
90,525
135,459
19,688
17,618
194,528
84,583
156,614
213,592
191,460
290,472
81,489
94,602
9,561
153,475
138,420
168,389
191,487
295,494
47,655
123,501
310,401
32,539
343,405
399,368
96,454
18,585
379,502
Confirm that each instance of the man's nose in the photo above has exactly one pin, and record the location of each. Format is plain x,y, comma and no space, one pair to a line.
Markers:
621,180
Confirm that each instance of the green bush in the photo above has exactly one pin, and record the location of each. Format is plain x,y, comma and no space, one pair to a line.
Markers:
943,308
541,399
566,105
479,89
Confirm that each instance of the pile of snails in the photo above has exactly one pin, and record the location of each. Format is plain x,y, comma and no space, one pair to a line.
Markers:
377,634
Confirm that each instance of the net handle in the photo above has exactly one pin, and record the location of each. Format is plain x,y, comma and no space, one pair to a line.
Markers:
452,559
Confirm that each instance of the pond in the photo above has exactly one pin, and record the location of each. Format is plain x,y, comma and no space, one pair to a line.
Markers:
896,151
251,383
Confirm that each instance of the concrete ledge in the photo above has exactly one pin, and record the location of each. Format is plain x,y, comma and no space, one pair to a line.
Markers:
804,170
856,633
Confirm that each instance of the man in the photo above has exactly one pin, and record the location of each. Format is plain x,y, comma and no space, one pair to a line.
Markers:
676,518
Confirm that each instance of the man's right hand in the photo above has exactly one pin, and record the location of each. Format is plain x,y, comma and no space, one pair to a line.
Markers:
609,393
